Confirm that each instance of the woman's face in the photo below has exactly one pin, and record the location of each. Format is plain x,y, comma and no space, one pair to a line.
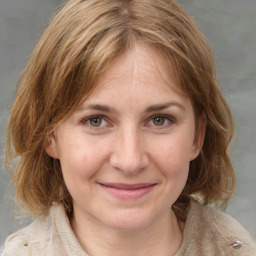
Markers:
125,152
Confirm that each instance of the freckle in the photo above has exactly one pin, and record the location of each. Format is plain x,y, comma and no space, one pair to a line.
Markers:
25,244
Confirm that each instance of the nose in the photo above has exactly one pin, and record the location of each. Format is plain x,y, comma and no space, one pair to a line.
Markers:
128,153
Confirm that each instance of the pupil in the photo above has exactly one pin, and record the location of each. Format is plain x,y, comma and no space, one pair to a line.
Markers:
96,122
158,121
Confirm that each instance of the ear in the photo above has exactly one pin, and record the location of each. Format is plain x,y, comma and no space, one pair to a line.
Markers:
51,146
199,136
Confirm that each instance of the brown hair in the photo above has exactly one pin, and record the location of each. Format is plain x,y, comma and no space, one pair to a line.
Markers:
64,68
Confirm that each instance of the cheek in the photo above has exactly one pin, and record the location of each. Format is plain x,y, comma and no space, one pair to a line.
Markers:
79,167
82,159
78,159
173,159
176,150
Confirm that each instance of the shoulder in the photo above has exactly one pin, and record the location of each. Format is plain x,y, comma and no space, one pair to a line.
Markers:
20,243
33,240
212,232
223,224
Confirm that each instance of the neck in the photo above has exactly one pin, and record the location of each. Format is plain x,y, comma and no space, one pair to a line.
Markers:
163,237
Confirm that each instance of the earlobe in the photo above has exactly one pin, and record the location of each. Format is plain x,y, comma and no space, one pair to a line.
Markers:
51,147
199,136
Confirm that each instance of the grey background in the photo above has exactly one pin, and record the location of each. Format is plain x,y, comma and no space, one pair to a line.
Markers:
229,25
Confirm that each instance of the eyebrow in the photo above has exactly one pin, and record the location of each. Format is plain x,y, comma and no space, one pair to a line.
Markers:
152,108
159,107
99,107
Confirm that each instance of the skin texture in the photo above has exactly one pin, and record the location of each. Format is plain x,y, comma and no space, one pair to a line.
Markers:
125,157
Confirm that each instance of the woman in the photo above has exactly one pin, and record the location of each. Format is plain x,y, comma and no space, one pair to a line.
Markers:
121,134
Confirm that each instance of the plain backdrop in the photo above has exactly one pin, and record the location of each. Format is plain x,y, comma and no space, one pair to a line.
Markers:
230,27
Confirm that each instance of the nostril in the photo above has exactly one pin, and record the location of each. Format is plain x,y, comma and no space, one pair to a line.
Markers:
128,164
128,153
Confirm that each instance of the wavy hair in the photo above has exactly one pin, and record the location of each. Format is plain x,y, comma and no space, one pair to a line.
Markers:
65,67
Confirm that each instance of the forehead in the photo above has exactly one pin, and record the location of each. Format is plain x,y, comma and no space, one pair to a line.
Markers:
140,75
137,67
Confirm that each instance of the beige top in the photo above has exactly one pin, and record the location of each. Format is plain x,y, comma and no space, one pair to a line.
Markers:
207,232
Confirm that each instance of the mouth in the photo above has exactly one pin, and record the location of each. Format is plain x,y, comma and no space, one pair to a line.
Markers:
127,191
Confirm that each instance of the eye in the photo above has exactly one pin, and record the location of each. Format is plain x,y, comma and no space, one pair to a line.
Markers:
158,121
161,121
95,121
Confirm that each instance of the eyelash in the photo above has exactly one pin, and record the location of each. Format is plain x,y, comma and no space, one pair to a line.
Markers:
88,119
168,118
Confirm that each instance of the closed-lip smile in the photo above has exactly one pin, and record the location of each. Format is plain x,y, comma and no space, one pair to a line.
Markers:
127,191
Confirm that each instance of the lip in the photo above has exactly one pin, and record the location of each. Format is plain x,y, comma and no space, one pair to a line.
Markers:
127,191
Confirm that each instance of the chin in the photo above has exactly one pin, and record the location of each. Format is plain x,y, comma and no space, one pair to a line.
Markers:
129,221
